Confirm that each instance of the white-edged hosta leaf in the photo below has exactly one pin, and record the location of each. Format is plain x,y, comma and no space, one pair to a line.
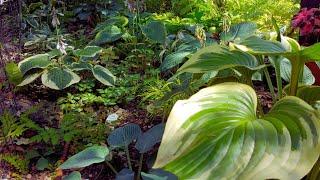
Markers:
75,175
59,78
257,45
37,61
91,155
103,75
150,138
216,134
239,31
123,136
80,66
285,69
107,35
30,78
155,31
217,57
89,51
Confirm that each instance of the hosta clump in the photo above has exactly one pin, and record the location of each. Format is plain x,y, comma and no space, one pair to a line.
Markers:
59,72
217,134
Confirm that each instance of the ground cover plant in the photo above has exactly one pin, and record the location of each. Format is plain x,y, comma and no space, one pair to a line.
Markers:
144,89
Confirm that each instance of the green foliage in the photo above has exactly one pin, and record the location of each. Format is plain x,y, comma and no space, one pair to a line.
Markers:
232,142
57,73
13,72
17,161
73,176
155,31
91,155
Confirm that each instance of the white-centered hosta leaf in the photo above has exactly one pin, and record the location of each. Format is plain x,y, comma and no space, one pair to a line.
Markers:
59,78
91,155
37,61
103,75
217,57
216,134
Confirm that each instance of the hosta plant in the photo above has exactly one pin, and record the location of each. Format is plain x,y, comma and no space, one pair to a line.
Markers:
59,71
220,133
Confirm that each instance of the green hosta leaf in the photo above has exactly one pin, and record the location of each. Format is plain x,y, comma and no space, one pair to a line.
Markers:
13,72
30,78
150,138
286,67
73,176
257,45
156,31
123,136
108,35
311,53
216,57
37,61
42,164
89,51
119,21
310,94
103,75
174,59
80,66
91,155
216,134
59,78
239,31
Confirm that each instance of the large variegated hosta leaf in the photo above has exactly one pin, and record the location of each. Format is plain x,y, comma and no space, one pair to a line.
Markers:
59,78
216,134
103,75
217,57
37,61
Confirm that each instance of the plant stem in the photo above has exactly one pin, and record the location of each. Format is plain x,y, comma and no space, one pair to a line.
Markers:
140,166
111,167
278,77
269,82
128,157
297,68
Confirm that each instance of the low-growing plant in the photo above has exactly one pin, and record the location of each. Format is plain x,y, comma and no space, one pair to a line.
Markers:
220,132
57,71
120,138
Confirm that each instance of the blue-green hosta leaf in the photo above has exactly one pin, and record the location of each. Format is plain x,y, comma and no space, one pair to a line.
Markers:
107,35
216,57
89,51
257,45
103,75
239,31
123,136
59,78
37,61
30,78
80,66
174,59
156,31
285,69
42,164
91,155
216,134
150,138
158,174
73,176
125,174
